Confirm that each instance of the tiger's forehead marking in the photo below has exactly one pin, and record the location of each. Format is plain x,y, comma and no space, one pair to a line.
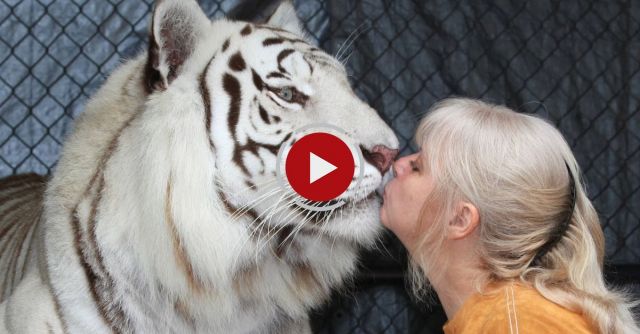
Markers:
271,36
272,41
281,56
246,30
278,43
310,53
287,35
281,44
236,62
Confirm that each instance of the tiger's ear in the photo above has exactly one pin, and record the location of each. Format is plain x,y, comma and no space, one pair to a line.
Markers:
285,18
176,27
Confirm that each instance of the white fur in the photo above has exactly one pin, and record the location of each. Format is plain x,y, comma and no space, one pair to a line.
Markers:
160,140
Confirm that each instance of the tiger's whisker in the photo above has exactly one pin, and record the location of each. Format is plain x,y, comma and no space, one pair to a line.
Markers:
300,225
297,213
251,204
258,228
346,41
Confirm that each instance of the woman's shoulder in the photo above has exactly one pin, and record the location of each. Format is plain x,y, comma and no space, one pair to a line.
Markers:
515,308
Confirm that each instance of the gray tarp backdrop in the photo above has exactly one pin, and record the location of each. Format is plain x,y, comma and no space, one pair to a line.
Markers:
576,63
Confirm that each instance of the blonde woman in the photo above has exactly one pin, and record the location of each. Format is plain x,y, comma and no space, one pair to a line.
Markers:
497,222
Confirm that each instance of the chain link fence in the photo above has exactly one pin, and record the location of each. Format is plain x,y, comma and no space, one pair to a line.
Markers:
576,63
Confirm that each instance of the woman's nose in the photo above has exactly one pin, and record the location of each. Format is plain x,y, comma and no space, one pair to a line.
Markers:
397,168
401,165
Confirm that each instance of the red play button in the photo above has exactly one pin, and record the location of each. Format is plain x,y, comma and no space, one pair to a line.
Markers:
319,166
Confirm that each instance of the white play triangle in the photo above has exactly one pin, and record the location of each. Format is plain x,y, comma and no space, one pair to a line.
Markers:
318,167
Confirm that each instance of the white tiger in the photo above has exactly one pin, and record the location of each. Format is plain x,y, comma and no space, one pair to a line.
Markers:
164,214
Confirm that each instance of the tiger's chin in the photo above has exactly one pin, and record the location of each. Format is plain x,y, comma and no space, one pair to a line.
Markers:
357,220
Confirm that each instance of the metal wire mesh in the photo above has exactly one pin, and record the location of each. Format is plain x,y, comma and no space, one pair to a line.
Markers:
577,63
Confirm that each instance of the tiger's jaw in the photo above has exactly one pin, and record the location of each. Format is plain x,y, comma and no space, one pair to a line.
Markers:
357,220
275,207
272,208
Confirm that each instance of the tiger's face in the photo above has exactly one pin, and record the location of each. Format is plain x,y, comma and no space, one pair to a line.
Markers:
258,85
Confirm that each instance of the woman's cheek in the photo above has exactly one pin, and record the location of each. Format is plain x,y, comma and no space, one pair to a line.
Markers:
383,216
386,210
388,189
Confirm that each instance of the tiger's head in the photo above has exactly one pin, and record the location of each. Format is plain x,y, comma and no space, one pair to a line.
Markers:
234,93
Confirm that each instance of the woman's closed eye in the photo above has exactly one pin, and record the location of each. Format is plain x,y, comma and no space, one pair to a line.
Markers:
414,166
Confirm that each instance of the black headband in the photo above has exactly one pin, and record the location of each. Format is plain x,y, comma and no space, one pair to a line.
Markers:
561,228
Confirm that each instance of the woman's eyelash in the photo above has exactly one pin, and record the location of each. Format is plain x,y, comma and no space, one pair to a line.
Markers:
414,166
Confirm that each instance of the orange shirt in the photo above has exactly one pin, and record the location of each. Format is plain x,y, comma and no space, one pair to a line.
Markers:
514,308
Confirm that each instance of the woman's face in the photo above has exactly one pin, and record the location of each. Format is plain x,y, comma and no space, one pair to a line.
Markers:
404,197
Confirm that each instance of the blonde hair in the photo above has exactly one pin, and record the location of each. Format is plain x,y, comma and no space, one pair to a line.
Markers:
514,168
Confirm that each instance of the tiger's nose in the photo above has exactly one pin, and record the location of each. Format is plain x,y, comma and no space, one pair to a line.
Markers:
380,156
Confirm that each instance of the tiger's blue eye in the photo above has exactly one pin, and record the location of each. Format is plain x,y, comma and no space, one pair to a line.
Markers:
286,93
